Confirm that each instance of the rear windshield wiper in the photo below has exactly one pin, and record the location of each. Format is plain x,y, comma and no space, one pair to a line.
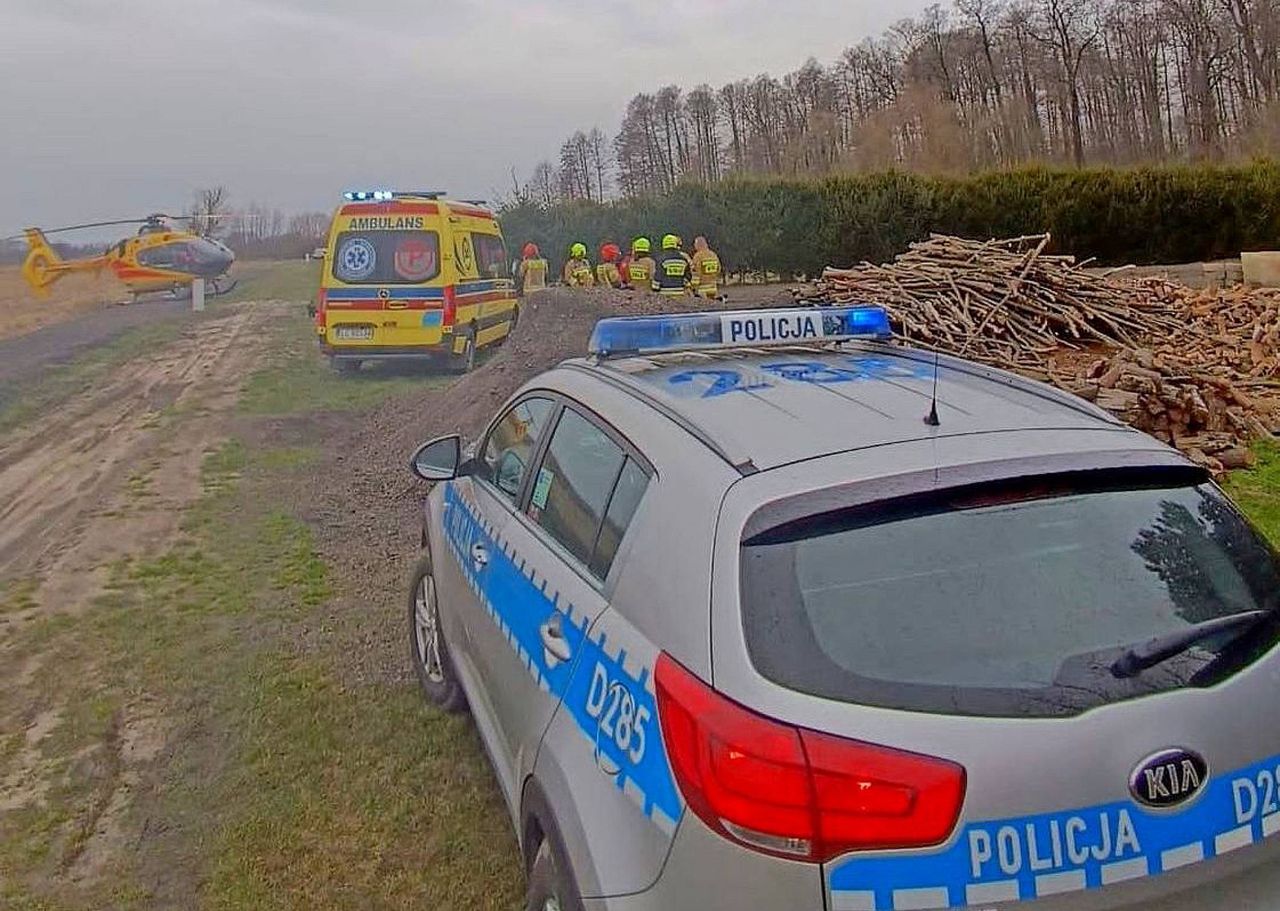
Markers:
1138,658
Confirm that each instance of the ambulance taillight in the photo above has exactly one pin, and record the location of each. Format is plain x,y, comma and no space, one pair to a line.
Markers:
450,307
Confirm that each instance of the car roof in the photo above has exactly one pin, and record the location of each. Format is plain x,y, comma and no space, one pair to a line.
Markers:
763,409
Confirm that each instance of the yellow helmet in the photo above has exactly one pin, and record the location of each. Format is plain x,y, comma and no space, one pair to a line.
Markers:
578,251
640,245
671,242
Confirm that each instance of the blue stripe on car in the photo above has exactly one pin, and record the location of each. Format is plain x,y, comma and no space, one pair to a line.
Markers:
519,603
1030,857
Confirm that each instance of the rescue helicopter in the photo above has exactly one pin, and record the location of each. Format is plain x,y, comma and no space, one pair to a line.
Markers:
160,257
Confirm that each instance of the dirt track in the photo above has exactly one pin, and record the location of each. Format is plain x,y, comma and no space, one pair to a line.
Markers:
105,475
24,357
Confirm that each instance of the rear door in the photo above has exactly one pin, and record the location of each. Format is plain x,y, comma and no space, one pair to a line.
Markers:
383,287
546,587
998,628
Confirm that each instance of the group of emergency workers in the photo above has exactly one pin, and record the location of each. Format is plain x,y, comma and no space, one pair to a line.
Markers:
673,272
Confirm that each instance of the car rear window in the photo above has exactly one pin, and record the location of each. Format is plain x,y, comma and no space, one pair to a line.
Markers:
1006,601
386,257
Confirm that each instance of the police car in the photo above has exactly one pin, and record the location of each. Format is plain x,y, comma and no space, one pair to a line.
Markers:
759,610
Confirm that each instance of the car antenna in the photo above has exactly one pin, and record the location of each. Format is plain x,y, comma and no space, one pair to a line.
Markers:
932,417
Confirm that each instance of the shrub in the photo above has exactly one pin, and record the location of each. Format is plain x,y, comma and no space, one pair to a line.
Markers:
795,227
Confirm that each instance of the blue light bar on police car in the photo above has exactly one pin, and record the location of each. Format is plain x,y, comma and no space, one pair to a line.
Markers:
737,329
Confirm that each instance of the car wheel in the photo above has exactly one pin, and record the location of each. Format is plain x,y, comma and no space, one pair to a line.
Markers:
466,361
550,889
427,647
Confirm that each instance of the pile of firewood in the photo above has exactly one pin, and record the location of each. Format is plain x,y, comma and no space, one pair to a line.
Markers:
1197,369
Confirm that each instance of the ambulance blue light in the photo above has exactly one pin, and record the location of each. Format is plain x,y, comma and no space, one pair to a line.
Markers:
368,195
737,329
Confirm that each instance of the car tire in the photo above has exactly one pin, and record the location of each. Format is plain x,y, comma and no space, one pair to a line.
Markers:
428,650
549,887
466,361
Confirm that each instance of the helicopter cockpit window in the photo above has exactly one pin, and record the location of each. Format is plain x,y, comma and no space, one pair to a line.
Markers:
161,257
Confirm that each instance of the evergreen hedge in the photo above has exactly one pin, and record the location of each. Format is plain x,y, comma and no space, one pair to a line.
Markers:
795,227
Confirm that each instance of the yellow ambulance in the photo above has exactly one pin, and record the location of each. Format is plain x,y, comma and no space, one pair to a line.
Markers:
413,275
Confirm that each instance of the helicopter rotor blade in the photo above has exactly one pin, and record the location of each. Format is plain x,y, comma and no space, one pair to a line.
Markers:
189,217
91,224
217,215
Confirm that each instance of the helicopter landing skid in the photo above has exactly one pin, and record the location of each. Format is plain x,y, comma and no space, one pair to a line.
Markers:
213,288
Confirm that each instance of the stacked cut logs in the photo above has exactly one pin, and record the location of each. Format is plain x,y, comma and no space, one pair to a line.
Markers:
1197,369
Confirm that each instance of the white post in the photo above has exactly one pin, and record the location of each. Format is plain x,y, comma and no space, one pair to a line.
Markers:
197,295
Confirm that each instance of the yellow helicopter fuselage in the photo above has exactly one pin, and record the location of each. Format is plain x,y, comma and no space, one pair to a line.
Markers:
155,259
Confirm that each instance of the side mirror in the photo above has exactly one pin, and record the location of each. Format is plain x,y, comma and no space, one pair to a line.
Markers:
438,460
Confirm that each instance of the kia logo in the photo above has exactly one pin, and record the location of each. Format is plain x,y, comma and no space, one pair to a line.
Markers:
1168,778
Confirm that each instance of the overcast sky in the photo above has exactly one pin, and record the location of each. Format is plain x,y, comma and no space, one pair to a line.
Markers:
124,107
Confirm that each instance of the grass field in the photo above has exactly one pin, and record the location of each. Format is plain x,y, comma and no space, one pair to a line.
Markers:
21,311
292,280
1257,491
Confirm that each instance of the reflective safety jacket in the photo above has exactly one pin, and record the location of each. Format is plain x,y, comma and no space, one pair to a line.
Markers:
673,274
706,273
607,275
640,273
578,274
533,274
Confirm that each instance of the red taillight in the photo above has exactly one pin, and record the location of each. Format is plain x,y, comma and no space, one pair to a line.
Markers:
794,792
450,305
321,297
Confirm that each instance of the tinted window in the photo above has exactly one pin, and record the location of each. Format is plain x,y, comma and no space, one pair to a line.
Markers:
998,605
574,484
386,257
491,256
160,257
631,486
512,443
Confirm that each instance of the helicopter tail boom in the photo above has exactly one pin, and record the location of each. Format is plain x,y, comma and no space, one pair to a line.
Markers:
43,266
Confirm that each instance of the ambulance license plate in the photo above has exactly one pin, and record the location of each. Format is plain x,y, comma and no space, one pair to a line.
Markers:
353,333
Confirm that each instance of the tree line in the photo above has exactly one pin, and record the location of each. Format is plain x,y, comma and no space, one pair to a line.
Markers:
980,84
255,231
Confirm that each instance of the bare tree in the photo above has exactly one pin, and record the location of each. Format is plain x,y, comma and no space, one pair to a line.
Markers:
208,211
983,83
1069,28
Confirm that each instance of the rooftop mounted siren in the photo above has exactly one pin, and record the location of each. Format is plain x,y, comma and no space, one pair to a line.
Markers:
629,335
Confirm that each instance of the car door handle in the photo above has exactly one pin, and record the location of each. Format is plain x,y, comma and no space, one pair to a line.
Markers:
479,556
555,648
